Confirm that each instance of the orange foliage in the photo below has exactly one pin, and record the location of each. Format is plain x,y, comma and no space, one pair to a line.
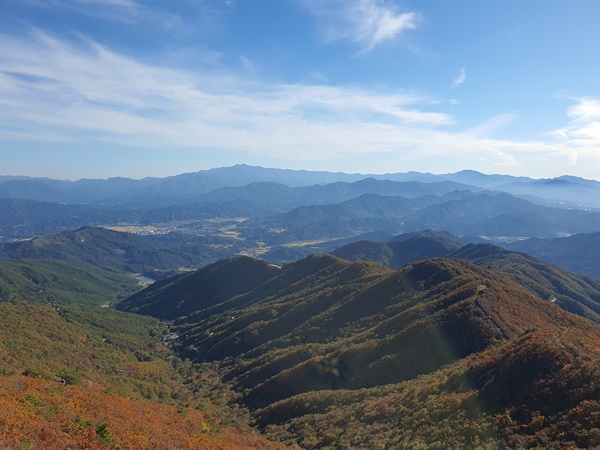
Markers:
38,414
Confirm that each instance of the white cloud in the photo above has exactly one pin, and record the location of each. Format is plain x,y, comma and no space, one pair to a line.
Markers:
85,92
56,83
367,23
460,78
581,135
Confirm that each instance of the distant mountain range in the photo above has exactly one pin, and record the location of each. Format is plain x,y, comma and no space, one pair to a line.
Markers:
577,253
277,207
569,189
459,213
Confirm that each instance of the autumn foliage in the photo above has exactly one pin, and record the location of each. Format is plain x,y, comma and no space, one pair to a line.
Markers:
75,377
40,414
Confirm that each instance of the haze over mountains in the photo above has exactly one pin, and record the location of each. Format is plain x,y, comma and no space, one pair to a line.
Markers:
266,208
567,188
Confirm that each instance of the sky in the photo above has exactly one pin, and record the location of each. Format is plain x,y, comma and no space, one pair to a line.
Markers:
133,88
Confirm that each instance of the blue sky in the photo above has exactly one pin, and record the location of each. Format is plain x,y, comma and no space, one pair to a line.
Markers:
97,89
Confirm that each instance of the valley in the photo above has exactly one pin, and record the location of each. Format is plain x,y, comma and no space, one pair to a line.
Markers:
299,225
368,313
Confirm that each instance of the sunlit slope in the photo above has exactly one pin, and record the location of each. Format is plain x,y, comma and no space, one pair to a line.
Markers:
95,378
575,293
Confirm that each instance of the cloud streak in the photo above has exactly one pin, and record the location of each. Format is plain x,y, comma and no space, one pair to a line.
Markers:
460,78
59,91
133,13
367,23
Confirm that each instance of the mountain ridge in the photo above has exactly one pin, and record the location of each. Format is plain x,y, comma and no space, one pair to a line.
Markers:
89,190
326,340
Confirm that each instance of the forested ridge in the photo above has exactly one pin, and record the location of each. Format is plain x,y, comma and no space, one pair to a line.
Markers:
478,350
441,353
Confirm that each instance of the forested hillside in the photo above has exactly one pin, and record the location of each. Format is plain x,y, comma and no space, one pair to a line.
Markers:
572,292
323,342
153,256
76,375
43,282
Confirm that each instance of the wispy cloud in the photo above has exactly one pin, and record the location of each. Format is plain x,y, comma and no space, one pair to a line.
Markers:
63,86
487,127
367,23
84,92
460,78
191,16
126,11
581,135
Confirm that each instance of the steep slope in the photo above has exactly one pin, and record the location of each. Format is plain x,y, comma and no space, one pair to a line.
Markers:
94,378
283,254
323,322
574,293
421,245
378,252
539,390
323,349
200,289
